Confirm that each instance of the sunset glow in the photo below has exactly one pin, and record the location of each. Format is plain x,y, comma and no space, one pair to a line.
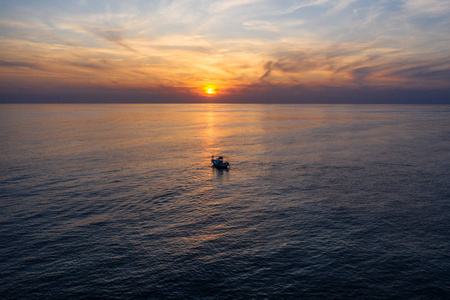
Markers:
260,50
210,91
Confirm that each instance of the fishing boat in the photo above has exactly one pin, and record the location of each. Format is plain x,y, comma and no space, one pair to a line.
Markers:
219,162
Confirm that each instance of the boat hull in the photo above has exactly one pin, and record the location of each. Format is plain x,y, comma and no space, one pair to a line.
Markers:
220,165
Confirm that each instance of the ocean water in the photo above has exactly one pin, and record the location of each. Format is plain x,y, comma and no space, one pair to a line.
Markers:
320,202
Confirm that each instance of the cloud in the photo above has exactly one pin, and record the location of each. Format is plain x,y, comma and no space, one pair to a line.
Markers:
435,71
295,63
201,49
268,69
20,64
309,60
278,27
261,25
303,4
338,6
427,7
91,66
223,5
360,74
15,24
358,66
112,35
333,6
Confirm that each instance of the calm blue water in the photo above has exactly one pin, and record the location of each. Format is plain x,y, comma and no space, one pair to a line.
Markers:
321,202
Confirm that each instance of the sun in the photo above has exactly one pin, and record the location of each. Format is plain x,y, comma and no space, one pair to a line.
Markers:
210,91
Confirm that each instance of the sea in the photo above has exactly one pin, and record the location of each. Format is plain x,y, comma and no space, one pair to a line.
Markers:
119,201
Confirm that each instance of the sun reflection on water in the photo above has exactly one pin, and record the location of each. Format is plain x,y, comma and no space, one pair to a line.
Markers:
211,140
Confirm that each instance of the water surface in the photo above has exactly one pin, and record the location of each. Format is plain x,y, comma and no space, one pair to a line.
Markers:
321,201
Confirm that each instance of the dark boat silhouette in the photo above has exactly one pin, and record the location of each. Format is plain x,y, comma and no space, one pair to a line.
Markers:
219,162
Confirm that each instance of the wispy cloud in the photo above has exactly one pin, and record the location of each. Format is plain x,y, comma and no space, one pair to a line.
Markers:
92,66
19,64
112,35
339,6
222,5
427,7
302,4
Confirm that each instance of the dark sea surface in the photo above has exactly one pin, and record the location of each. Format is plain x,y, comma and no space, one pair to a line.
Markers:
320,202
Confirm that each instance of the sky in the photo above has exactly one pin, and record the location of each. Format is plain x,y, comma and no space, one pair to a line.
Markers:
237,51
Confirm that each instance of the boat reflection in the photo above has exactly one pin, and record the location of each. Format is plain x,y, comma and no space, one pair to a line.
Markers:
219,172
